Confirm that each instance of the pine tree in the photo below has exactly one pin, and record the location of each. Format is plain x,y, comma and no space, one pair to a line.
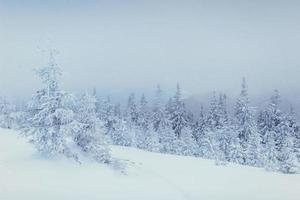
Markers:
199,126
164,131
222,111
6,111
213,115
144,114
107,115
121,135
147,138
117,111
248,136
178,115
158,113
286,150
131,111
218,129
50,114
295,129
142,129
271,132
270,152
89,133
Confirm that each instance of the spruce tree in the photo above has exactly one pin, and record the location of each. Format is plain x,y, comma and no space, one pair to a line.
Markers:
178,115
287,159
50,115
270,130
89,132
248,136
6,111
131,111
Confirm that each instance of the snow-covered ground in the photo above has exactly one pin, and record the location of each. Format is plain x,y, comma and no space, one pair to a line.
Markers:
149,176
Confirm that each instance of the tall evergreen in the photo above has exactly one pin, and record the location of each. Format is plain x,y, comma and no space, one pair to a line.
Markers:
6,110
131,111
287,158
89,132
50,115
107,115
178,115
158,112
270,129
248,135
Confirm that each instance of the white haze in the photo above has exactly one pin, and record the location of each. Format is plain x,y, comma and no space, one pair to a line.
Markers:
123,46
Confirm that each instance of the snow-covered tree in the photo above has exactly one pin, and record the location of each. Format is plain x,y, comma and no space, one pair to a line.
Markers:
6,111
286,149
186,144
199,126
107,115
218,130
248,135
142,128
121,135
270,152
162,125
146,137
158,111
272,117
213,118
144,114
222,111
50,114
131,111
178,114
270,130
295,130
89,131
117,111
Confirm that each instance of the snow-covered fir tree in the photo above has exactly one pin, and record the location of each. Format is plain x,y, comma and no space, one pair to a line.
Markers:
213,117
203,136
270,152
6,113
143,114
131,111
199,126
248,135
107,115
222,110
295,129
287,158
161,123
270,123
217,133
89,130
146,137
158,112
178,114
122,135
50,114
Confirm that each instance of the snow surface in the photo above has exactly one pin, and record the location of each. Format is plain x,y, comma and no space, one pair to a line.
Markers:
149,176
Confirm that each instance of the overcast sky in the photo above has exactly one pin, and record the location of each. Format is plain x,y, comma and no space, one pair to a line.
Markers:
124,45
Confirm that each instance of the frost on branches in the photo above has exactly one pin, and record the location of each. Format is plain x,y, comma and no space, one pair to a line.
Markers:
55,128
81,128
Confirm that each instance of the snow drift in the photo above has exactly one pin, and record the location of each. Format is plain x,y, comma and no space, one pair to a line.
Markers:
25,175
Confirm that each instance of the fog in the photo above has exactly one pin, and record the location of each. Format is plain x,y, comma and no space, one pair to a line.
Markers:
123,46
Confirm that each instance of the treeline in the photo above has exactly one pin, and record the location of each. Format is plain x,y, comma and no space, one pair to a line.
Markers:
57,122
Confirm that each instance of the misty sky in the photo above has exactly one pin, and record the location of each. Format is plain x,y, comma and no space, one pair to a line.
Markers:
122,45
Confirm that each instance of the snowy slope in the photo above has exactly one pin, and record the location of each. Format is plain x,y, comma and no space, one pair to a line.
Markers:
150,176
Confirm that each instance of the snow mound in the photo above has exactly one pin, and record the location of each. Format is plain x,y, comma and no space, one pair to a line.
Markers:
149,176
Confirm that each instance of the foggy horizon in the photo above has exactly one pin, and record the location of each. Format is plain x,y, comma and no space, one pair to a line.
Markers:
122,47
